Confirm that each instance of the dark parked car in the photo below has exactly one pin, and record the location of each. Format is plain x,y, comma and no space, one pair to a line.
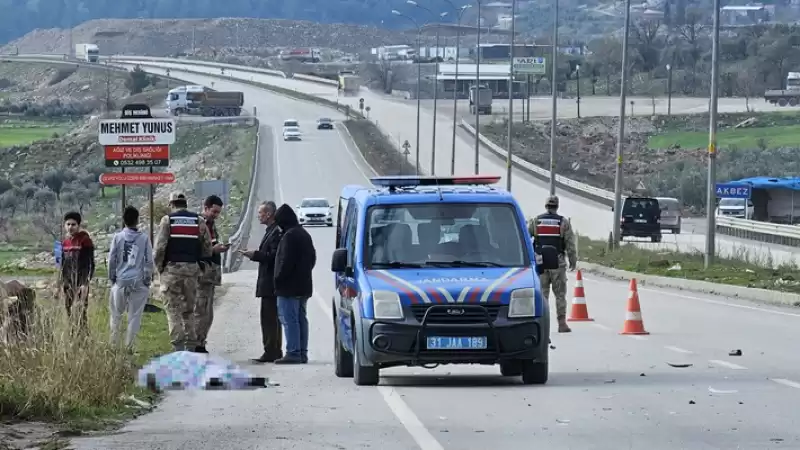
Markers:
641,217
324,124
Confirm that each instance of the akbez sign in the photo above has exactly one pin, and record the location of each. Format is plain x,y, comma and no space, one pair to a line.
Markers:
137,132
137,155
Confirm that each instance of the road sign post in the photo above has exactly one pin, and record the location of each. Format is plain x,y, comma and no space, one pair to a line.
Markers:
529,66
137,140
406,152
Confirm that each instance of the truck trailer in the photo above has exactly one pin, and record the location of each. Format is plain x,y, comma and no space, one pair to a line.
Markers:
480,98
789,96
87,52
349,83
199,100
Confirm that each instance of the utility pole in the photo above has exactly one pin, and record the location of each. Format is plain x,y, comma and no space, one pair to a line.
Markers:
616,231
554,89
477,93
510,96
711,197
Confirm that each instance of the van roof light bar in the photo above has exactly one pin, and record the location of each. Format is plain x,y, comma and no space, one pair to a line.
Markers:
401,181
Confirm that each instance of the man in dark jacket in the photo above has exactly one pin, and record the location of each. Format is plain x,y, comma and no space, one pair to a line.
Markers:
77,266
294,262
271,335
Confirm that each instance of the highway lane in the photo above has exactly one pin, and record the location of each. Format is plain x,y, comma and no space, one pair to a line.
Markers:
597,397
398,119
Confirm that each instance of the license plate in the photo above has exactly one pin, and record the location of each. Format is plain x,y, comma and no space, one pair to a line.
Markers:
457,343
640,221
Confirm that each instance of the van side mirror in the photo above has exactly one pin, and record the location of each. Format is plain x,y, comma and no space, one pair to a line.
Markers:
612,208
339,260
549,257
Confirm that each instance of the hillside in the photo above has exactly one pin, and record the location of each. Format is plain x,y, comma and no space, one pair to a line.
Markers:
169,37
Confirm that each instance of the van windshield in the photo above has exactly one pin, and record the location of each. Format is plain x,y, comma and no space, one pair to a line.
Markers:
444,235
290,123
736,202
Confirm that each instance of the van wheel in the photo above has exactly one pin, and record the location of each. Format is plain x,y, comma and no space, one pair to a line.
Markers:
343,360
535,372
363,376
656,238
511,368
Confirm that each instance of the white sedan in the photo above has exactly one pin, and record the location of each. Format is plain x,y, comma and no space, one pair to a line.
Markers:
315,211
292,134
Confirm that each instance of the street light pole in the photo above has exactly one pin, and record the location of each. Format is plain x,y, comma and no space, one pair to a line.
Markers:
616,232
669,89
419,77
510,95
554,92
455,85
578,88
711,197
478,92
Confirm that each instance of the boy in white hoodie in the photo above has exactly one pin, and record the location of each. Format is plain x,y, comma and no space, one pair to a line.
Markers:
130,269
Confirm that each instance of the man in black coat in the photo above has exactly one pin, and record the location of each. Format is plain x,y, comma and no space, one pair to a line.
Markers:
271,335
294,263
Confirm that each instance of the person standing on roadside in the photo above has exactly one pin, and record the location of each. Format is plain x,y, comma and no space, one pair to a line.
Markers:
182,241
211,273
294,261
271,334
553,230
130,269
77,267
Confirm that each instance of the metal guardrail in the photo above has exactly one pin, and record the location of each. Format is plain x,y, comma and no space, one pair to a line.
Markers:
747,229
272,72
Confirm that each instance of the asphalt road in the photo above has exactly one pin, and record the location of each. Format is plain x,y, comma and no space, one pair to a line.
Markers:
397,118
606,391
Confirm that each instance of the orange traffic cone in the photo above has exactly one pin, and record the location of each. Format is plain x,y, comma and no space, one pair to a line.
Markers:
633,316
579,311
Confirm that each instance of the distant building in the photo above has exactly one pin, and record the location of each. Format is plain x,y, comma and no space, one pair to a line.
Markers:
746,14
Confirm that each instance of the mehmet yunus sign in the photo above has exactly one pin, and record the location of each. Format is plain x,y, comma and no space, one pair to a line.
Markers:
137,132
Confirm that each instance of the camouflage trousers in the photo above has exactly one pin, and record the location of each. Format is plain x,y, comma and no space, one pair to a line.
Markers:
557,278
204,311
179,287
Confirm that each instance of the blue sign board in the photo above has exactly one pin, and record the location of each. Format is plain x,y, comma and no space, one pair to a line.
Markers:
733,190
57,249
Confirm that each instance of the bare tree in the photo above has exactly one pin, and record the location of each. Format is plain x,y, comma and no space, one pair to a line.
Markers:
44,200
690,50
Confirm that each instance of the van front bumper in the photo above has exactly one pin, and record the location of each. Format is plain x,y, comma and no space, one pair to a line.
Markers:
405,342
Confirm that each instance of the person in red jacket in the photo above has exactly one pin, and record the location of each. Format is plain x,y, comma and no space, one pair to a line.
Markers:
77,266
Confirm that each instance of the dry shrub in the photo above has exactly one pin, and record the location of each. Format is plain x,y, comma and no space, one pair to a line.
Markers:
55,372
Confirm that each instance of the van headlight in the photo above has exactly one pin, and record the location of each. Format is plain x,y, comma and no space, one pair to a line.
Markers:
522,303
386,305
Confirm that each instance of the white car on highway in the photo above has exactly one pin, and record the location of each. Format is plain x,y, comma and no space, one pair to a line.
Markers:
315,211
292,134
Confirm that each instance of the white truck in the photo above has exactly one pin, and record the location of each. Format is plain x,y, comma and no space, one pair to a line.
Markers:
199,100
789,96
480,98
87,52
349,83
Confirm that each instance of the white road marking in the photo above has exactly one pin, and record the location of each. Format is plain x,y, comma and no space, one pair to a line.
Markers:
398,406
705,300
786,382
601,326
729,365
354,157
410,421
678,350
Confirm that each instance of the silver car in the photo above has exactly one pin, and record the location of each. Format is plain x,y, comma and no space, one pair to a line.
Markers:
670,214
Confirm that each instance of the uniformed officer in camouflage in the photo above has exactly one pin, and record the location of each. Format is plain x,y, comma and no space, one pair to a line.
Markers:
552,229
210,273
182,242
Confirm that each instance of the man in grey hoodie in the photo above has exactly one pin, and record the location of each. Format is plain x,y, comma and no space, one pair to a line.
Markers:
130,269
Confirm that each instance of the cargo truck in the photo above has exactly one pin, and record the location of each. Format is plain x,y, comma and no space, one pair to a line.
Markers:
199,100
87,52
480,98
349,83
789,96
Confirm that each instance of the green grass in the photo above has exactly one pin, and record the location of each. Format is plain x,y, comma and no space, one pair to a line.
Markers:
23,131
742,271
77,383
779,136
